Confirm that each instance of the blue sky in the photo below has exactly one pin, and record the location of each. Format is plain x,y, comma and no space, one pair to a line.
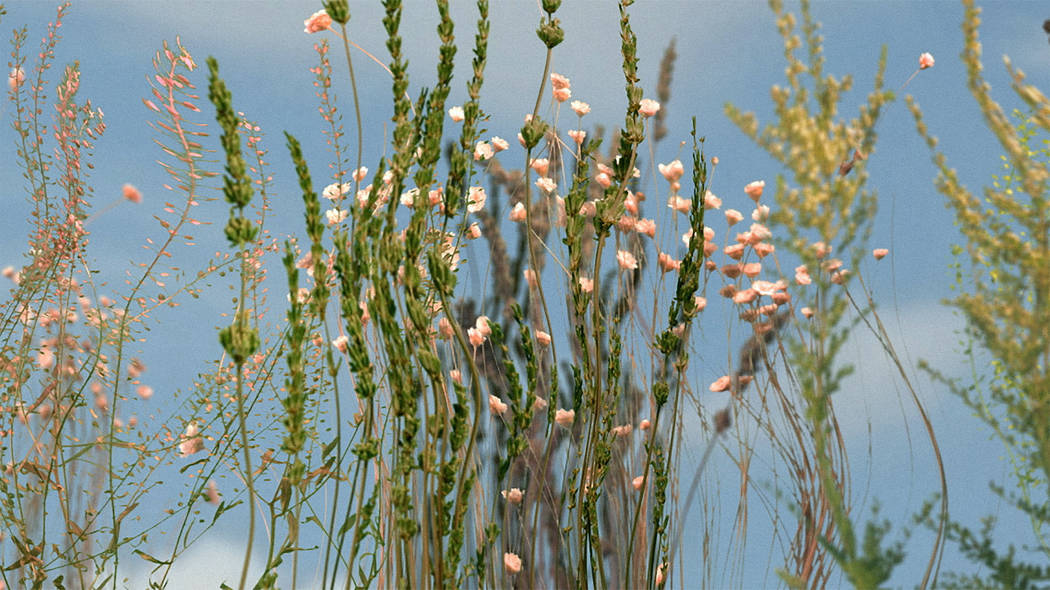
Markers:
728,52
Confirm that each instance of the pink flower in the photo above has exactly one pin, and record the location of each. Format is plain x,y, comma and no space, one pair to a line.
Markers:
358,175
802,275
733,216
144,391
736,251
456,376
15,78
46,358
603,179
752,269
513,495
211,492
191,440
721,384
511,562
699,303
341,343
562,94
807,312
539,405
546,184
644,424
132,194
645,226
474,231
335,191
496,406
580,107
711,201
754,189
318,21
499,144
821,249
745,296
335,216
456,113
648,107
445,328
679,204
626,260
672,171
482,325
761,213
623,430
530,277
476,199
586,285
518,213
540,165
925,61
558,81
667,264
476,338
483,151
839,277
879,253
637,482
543,338
661,573
577,135
565,417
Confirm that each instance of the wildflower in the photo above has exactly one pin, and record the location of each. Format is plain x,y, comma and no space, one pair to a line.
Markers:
496,405
637,482
335,216
802,275
603,179
132,194
754,189
623,430
879,253
736,251
530,277
721,384
577,135
807,312
699,303
191,440
745,296
645,226
359,175
445,328
318,21
483,151
15,78
648,107
645,424
476,199
565,417
539,405
46,358
341,343
474,231
512,562
518,212
476,338
212,492
839,277
562,94
711,201
586,285
540,165
679,204
761,213
580,107
661,573
543,338
925,61
672,171
733,216
456,113
821,249
513,495
546,184
667,264
144,391
751,269
558,81
626,260
499,144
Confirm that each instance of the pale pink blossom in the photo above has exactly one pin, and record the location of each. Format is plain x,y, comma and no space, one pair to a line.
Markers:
577,135
699,303
335,216
565,417
711,201
474,231
754,189
733,216
751,269
359,175
736,251
666,263
336,191
839,276
496,406
661,573
764,287
672,171
645,424
131,193
499,144
513,495
341,343
191,440
761,213
518,213
630,203
580,107
562,94
476,199
679,204
626,223
144,391
482,325
530,277
802,275
879,253
626,260
721,384
821,249
456,113
543,338
45,358
546,184
623,430
559,81
540,165
211,492
539,405
637,482
831,266
512,563
646,226
781,297
745,296
318,21
456,376
603,179
925,61
15,78
759,232
589,209
586,285
483,150
648,107
476,338
445,328
807,312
